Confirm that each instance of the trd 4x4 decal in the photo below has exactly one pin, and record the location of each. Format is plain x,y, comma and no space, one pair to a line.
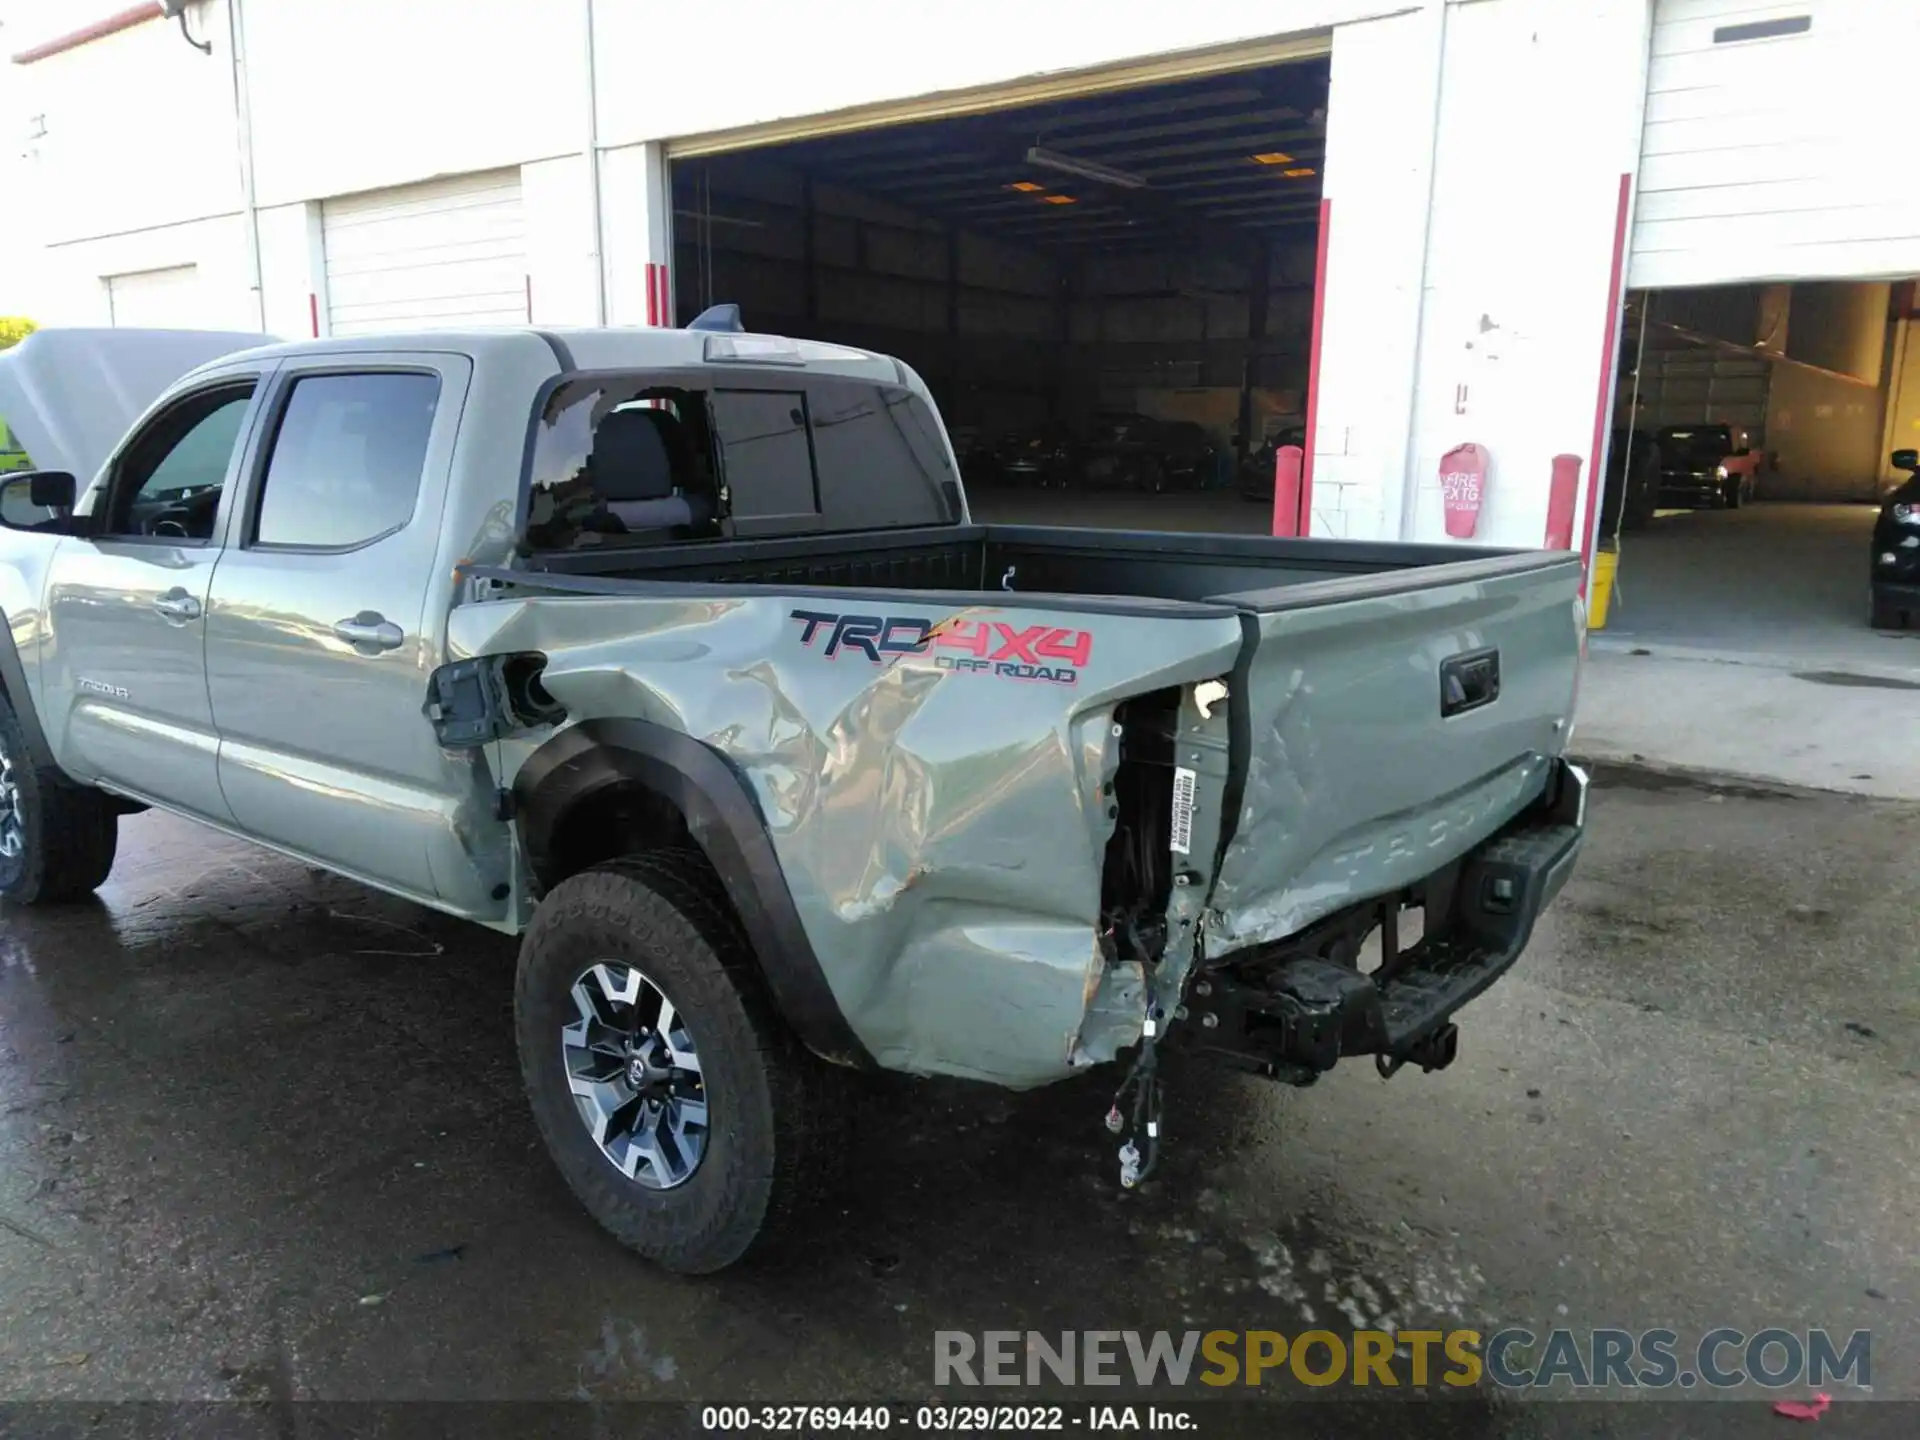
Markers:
984,647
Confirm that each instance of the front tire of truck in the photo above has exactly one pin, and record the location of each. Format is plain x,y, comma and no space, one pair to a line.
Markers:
57,839
685,1117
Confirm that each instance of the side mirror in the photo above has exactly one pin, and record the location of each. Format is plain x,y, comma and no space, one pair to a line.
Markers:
39,500
52,489
1906,459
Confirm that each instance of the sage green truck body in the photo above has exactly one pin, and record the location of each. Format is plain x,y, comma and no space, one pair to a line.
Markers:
987,799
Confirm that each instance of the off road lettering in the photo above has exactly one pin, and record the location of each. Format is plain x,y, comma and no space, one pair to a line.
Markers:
1048,653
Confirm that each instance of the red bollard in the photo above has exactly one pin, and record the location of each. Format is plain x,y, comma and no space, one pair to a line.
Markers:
1286,490
1561,498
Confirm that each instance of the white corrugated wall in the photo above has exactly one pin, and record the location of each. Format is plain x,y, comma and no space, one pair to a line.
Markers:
1778,143
168,299
442,254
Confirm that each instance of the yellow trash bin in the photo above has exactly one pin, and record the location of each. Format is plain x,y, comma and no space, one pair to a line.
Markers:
1600,587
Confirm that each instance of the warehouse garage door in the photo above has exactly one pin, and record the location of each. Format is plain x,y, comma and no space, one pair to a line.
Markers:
442,255
157,299
1106,280
1777,143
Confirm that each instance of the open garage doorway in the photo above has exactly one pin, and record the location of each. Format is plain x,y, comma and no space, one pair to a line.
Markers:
1110,295
1749,468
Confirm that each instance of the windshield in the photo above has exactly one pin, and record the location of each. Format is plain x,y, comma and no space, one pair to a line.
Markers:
1697,442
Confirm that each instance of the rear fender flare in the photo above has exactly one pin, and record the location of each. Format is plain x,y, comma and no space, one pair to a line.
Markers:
13,680
724,820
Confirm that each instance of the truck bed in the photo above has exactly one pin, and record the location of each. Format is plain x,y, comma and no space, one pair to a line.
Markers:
1143,565
1386,709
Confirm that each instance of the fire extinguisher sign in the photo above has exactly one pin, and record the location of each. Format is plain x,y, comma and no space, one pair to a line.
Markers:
1463,484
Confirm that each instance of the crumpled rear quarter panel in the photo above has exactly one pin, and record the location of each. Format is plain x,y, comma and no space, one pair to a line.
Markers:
942,832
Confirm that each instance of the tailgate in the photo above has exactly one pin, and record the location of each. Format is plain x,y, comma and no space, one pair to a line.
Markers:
1384,725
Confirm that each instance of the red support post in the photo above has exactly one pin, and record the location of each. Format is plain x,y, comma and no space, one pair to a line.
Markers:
1313,363
1622,213
1563,495
1287,467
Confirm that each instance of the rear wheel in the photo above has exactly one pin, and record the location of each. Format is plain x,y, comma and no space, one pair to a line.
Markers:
57,839
685,1117
1887,616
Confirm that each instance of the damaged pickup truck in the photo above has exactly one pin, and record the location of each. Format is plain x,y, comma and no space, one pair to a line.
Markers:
679,654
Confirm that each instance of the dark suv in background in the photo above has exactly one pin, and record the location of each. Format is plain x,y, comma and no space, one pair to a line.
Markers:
1120,452
1137,452
1896,551
1704,467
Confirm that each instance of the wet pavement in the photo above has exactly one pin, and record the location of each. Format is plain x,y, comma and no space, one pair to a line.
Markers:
261,1139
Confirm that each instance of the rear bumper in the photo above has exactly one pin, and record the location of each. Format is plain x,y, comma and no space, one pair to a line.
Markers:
1304,1015
1505,886
1690,490
1903,593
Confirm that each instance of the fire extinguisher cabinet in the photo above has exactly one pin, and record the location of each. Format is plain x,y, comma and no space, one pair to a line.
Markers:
1463,484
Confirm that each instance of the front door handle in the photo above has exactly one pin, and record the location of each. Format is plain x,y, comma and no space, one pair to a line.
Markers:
370,632
177,604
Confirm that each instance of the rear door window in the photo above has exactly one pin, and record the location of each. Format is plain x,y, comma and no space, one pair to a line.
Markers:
347,460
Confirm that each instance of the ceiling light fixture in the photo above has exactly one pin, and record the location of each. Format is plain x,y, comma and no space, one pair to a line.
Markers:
1299,174
1272,157
1085,169
1026,185
1058,199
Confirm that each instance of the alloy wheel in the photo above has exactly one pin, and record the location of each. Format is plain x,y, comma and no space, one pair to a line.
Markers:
13,834
634,1072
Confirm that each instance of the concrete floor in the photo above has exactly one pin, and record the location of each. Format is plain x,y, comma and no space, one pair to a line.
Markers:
1779,584
261,1138
1738,643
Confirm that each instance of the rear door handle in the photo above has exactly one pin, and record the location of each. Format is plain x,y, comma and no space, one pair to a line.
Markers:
370,632
177,604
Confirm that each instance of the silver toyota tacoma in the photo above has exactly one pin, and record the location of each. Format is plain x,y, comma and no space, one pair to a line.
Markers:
678,654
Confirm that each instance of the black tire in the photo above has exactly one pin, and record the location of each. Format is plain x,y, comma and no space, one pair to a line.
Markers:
1639,495
772,1141
63,835
1885,616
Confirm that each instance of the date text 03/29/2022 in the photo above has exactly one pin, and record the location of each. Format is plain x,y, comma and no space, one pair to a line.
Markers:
941,1419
